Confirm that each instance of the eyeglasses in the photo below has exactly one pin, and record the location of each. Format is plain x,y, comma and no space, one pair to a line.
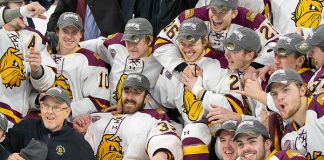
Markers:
47,107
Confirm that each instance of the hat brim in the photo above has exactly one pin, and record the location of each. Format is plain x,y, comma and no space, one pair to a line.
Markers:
132,37
250,133
277,49
218,132
186,38
268,87
304,47
41,98
63,25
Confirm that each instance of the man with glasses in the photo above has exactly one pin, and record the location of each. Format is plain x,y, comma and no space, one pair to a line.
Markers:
52,129
137,133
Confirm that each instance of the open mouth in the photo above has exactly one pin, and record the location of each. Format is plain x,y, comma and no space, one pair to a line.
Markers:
217,23
249,155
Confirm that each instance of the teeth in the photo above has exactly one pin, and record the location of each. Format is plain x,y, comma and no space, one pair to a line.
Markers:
248,155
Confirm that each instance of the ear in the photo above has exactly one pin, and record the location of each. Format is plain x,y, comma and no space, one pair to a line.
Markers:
3,137
204,41
267,145
250,56
234,13
300,61
302,90
147,98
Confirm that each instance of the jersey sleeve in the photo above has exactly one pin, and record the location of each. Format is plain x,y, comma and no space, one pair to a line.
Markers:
95,87
163,136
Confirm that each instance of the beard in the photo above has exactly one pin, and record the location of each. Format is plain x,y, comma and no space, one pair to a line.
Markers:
128,106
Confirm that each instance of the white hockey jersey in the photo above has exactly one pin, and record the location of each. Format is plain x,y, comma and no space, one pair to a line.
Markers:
165,48
84,76
114,51
16,82
311,136
135,136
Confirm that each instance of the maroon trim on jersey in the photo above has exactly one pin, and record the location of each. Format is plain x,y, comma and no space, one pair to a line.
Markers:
276,129
157,44
92,59
156,113
317,105
241,19
291,127
217,55
190,141
289,155
39,33
238,102
115,39
307,75
201,13
265,83
320,74
99,103
7,107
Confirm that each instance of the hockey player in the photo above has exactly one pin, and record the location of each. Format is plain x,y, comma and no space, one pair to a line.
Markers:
24,65
128,52
33,10
137,133
314,46
291,97
80,72
222,18
253,143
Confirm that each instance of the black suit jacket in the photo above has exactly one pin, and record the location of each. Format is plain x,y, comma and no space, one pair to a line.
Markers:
107,14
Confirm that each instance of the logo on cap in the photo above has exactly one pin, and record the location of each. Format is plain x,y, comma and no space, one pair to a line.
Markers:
244,123
311,34
239,35
135,76
136,26
71,16
286,39
191,25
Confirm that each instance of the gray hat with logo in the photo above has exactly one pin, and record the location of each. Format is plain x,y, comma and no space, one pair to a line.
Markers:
192,29
34,150
59,94
314,39
243,39
3,122
136,28
229,126
224,5
138,81
287,44
70,19
253,128
283,76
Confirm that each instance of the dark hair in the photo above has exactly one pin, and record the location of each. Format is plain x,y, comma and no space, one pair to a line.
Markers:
308,93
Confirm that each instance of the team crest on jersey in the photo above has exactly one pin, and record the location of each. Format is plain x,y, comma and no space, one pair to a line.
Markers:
12,68
60,150
308,13
320,99
251,16
117,94
109,148
317,155
192,107
293,153
61,81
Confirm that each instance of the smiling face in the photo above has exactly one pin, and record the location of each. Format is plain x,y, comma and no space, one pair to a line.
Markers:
54,113
69,38
133,100
287,98
252,148
228,148
191,52
290,61
138,49
220,20
238,60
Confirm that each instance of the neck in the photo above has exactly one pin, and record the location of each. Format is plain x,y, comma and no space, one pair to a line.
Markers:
300,115
66,51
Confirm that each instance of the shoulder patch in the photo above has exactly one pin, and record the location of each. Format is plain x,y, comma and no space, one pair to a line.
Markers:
293,153
189,13
251,16
320,99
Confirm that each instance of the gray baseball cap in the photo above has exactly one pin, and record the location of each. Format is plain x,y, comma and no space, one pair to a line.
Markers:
229,126
223,5
70,19
59,94
136,28
287,44
243,39
138,81
314,39
3,122
192,29
283,76
253,128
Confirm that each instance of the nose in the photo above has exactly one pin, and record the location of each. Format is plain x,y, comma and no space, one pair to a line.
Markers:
281,96
277,60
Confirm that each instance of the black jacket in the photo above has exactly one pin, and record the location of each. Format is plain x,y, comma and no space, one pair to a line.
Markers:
64,144
107,14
